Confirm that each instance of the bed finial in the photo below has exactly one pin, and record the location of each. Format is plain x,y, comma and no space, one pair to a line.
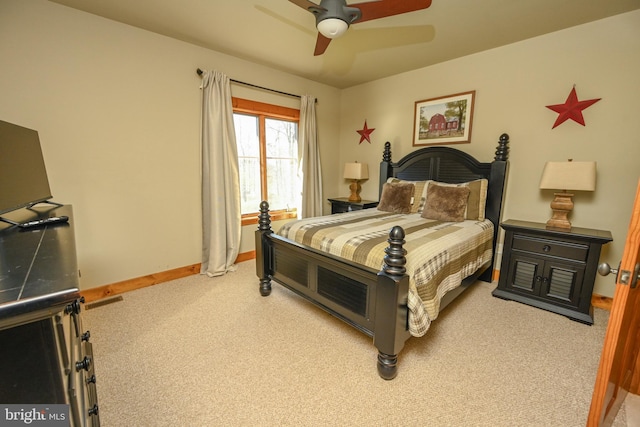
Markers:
502,152
386,155
264,219
394,260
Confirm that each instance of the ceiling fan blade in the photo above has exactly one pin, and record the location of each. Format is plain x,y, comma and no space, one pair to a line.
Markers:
294,24
383,8
306,4
344,52
321,44
360,40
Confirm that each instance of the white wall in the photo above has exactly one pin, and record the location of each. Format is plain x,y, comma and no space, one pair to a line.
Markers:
513,85
118,109
118,113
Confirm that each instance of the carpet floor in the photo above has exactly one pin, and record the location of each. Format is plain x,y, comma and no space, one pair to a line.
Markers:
203,351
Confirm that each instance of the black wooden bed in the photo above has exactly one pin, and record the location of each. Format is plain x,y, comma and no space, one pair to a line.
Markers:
375,301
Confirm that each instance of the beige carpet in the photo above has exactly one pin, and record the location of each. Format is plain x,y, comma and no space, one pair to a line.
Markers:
205,351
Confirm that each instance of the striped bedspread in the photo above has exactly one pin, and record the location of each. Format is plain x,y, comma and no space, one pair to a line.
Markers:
439,254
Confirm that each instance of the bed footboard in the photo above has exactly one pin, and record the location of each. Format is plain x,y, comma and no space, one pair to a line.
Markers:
375,302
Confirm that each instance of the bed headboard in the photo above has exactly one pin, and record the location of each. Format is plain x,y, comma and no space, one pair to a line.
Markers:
453,166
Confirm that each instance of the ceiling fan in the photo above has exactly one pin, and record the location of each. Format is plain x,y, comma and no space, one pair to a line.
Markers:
333,17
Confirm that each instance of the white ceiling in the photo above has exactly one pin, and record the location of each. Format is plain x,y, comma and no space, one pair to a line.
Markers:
281,35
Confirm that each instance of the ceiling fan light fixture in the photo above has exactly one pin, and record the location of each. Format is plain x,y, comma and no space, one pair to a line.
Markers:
332,28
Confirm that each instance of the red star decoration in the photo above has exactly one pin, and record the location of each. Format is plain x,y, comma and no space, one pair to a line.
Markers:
365,133
571,109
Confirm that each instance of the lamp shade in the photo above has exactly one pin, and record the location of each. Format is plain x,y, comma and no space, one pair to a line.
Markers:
332,28
574,176
356,171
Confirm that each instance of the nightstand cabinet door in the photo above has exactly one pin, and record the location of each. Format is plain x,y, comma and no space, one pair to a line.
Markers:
562,283
550,279
523,274
550,269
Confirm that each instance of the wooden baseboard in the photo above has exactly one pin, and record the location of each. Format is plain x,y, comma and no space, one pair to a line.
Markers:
106,291
602,302
246,256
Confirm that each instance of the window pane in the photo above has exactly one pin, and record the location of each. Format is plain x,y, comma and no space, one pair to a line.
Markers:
283,182
248,141
282,138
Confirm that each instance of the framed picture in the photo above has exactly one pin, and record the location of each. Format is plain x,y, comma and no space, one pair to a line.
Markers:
444,120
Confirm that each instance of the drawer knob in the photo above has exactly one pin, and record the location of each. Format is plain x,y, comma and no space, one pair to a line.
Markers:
83,364
75,307
94,409
86,336
91,379
546,248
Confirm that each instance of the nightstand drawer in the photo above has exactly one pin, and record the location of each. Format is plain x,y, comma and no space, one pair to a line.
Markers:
567,250
342,204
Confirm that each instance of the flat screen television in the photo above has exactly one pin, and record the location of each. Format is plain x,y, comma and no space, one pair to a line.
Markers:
23,176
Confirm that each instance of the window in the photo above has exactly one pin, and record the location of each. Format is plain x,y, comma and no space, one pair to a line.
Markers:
267,138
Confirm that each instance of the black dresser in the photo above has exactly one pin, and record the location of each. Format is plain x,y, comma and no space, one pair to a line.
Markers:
46,358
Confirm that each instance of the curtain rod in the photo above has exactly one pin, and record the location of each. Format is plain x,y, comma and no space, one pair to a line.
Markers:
199,71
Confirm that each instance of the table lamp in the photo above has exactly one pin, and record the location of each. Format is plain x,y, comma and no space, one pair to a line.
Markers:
355,172
566,176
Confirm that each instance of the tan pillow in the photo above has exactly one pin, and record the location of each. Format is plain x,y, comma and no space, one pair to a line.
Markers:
419,194
446,203
396,197
477,197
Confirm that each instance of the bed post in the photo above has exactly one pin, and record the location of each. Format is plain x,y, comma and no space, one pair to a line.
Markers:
385,165
263,253
497,185
391,329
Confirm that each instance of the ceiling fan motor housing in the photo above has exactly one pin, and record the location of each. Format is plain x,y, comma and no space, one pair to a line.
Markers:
336,9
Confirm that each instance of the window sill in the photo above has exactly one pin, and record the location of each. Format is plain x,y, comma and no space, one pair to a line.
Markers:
252,218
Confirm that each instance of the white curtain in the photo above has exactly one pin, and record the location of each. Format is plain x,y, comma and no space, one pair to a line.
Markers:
221,218
310,159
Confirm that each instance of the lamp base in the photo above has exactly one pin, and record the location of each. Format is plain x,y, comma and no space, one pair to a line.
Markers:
355,191
561,205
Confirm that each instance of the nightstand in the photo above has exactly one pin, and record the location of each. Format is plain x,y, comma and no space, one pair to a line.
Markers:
342,204
549,269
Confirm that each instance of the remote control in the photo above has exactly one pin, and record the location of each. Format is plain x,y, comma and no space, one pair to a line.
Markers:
44,221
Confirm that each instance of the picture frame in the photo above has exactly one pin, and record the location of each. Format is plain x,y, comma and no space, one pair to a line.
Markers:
444,120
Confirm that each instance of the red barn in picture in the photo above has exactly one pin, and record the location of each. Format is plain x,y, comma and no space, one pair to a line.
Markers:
439,125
